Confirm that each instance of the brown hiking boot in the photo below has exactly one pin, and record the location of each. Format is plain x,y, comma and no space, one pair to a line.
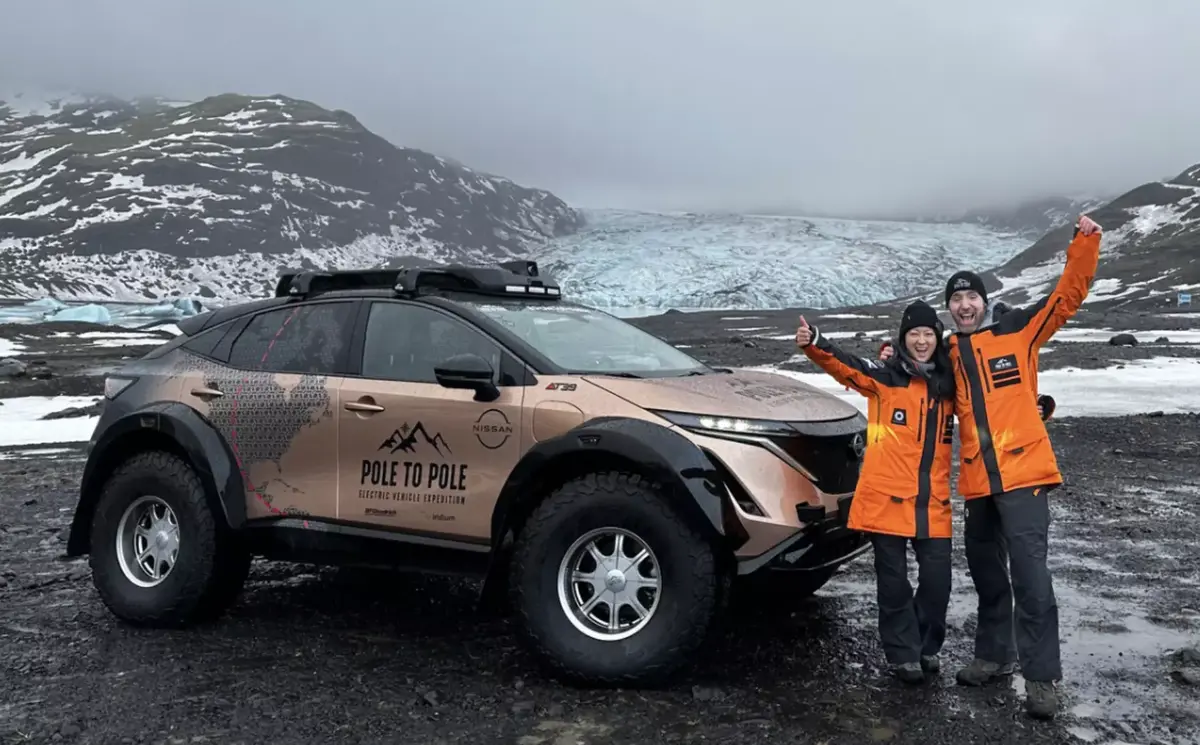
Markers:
1041,699
980,672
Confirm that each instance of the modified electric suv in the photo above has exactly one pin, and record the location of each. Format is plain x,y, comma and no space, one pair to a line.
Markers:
471,420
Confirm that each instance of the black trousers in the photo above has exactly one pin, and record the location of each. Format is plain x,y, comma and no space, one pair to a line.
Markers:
1010,530
911,625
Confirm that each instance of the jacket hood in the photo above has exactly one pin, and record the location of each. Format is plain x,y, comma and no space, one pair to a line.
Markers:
747,394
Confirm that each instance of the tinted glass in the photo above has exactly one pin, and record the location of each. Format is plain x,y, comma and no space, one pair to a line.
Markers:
405,342
588,341
306,339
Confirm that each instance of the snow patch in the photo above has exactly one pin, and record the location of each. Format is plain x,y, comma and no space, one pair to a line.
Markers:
1134,387
21,423
1191,336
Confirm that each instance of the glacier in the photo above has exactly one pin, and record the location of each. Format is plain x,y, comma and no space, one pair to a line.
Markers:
640,263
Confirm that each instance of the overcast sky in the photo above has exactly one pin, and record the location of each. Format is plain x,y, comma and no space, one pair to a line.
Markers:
858,106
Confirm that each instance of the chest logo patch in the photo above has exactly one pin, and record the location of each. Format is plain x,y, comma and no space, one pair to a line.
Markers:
900,416
1004,371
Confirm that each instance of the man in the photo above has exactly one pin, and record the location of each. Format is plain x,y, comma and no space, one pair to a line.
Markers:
1007,468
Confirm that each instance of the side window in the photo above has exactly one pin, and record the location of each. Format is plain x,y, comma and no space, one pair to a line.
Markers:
303,339
206,341
405,342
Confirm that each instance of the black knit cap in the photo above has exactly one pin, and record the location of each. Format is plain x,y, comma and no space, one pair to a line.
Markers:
918,314
965,280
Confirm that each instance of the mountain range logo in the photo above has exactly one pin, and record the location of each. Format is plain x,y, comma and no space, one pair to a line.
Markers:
405,438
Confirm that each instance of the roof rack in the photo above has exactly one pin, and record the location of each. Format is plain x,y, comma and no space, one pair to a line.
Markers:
518,278
509,279
306,283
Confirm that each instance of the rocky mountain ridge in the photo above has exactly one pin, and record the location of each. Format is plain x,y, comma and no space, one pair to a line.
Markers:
1150,253
115,200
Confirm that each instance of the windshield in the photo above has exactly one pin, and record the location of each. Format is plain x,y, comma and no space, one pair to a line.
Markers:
583,340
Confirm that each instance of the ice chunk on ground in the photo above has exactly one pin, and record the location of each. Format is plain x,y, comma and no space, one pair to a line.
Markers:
21,420
86,313
1134,388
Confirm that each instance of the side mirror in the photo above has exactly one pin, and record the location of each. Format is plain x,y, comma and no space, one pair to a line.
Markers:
469,372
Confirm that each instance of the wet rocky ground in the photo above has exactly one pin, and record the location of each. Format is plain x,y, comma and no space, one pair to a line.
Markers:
313,655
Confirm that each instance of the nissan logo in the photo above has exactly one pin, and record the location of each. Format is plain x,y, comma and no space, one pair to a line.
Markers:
858,445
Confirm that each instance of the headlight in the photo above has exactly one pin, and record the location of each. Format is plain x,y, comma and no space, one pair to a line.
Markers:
115,385
719,425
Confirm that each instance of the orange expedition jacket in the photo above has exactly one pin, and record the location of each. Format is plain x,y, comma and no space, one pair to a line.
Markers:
904,485
1003,441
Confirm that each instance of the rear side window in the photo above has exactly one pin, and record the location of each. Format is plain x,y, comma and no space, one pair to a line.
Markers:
405,342
302,339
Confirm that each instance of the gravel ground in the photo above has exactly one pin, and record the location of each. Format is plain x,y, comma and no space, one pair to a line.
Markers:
326,656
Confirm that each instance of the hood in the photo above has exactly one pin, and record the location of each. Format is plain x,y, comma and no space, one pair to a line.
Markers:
746,394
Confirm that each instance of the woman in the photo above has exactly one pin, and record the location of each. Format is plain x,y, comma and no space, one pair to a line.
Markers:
903,491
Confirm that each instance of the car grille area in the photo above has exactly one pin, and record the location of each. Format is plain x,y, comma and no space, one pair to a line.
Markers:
831,452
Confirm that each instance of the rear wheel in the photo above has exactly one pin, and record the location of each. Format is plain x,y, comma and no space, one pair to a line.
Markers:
158,554
611,585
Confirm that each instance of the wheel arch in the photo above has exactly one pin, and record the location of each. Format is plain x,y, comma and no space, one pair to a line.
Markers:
170,427
689,478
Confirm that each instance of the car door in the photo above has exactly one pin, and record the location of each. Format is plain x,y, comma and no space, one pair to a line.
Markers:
417,456
275,399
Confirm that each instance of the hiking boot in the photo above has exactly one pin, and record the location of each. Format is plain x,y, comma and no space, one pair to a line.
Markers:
909,672
980,672
931,664
1041,700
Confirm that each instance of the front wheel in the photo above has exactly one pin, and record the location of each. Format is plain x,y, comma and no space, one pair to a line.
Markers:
612,586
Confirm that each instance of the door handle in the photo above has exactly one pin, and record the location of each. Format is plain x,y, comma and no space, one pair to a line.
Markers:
207,393
362,406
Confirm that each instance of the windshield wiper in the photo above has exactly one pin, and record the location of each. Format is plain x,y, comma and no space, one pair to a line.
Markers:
621,375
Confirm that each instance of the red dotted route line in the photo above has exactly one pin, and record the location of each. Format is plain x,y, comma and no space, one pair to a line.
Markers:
233,422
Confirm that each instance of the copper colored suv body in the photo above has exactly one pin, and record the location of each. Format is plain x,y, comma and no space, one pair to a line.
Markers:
466,420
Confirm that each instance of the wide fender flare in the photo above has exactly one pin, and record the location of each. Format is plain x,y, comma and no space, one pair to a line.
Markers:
661,453
207,451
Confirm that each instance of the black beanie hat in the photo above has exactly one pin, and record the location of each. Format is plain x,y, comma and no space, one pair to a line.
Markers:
920,313
965,280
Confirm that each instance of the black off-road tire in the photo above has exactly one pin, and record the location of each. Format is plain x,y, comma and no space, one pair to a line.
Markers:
691,582
212,564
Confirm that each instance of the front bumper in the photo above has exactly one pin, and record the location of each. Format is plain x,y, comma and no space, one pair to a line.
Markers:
824,542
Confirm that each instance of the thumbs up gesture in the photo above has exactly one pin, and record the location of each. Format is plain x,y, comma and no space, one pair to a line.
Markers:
804,334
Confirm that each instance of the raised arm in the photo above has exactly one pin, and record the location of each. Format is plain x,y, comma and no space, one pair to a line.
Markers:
1041,320
862,375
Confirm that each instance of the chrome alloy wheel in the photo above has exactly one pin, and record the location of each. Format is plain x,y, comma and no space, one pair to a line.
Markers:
609,584
147,541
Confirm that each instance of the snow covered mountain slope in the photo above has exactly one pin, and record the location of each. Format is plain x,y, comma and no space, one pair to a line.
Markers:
1150,253
137,200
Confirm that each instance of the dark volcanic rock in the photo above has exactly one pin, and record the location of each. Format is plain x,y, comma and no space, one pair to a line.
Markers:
98,179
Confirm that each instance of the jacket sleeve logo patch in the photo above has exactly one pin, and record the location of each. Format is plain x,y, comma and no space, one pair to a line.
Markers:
899,416
1004,371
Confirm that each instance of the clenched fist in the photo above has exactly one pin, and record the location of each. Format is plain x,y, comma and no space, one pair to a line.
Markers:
1088,226
804,334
